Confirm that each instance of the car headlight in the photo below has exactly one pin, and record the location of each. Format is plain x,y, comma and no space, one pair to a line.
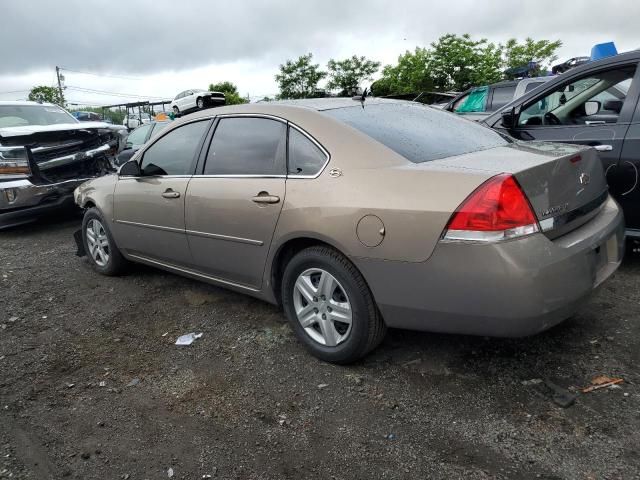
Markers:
14,161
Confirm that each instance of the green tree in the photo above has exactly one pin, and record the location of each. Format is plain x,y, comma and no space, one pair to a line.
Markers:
231,95
459,62
541,51
346,75
299,78
42,93
410,74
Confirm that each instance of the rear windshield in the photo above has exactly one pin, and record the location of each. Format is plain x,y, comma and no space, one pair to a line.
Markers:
23,115
418,133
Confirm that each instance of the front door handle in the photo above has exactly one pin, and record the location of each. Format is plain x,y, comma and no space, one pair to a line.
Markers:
264,197
603,148
169,193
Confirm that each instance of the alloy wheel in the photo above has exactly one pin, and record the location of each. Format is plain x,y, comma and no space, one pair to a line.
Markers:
200,103
322,307
98,242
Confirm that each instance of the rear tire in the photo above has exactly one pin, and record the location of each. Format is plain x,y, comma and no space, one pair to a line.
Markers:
176,111
102,252
320,289
200,103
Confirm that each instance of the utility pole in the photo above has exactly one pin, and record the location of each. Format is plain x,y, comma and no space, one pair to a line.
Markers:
59,85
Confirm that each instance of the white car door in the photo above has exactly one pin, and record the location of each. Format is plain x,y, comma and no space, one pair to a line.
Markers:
189,100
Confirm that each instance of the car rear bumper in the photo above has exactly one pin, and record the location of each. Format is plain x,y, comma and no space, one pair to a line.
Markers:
508,289
22,201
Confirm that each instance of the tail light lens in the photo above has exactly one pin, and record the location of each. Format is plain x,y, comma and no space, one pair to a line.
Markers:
14,161
497,210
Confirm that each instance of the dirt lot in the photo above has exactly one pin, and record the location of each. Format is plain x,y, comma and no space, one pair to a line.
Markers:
92,385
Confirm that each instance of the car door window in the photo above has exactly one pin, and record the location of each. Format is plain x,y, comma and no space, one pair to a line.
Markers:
138,136
502,96
596,98
305,157
174,153
247,146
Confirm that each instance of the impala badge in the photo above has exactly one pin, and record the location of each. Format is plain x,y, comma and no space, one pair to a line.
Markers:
584,179
335,172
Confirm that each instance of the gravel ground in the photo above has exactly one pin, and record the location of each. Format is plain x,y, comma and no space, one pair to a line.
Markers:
92,385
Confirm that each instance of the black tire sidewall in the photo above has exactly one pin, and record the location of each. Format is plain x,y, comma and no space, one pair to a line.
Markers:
355,345
110,268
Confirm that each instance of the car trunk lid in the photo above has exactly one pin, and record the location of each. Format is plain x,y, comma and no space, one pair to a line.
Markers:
565,184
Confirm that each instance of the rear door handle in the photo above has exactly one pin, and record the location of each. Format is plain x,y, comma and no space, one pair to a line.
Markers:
603,148
169,193
264,197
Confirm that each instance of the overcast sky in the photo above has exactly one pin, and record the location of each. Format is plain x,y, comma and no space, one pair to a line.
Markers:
158,48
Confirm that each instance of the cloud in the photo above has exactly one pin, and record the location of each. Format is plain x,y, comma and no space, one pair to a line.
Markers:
189,40
149,36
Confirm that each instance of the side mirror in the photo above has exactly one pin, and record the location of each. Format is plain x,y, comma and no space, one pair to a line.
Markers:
509,118
130,169
591,107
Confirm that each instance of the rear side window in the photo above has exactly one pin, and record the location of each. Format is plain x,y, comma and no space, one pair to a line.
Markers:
247,146
417,132
531,86
174,153
502,96
305,157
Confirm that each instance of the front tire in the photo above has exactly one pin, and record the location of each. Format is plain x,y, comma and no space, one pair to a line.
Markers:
330,306
176,110
102,252
200,103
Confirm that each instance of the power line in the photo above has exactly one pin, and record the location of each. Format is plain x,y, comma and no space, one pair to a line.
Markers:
99,74
112,94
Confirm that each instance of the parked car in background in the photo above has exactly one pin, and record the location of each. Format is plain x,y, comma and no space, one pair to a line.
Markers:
44,154
196,99
479,102
134,120
594,104
138,137
87,116
361,215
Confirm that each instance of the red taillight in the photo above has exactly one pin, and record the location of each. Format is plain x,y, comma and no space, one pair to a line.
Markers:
496,210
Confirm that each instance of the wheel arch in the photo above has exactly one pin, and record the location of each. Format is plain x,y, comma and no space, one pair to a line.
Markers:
288,249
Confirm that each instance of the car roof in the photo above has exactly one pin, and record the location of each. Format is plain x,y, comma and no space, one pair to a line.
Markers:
281,107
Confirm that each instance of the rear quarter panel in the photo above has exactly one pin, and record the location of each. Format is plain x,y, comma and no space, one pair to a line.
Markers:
414,204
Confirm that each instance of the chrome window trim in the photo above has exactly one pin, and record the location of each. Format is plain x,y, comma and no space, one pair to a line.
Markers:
127,177
239,176
140,153
317,144
258,115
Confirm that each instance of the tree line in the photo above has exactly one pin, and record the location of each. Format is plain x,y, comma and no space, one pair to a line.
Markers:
452,63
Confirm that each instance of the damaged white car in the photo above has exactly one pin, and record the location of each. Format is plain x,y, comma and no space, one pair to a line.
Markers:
45,153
